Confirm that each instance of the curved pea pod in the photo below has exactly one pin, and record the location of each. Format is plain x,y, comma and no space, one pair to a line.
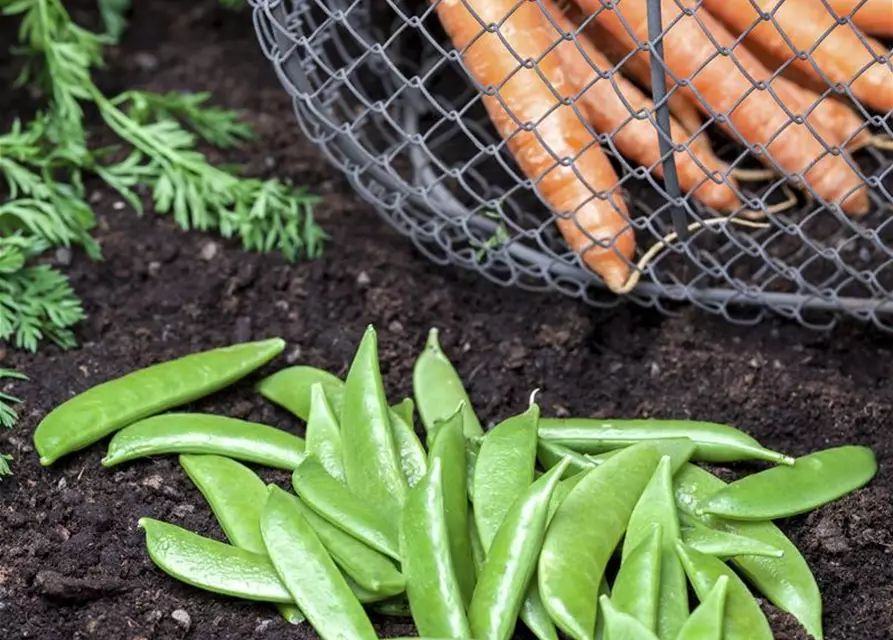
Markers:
781,492
335,503
236,496
504,470
478,555
90,416
309,573
743,619
723,544
290,388
583,534
396,607
438,389
786,581
448,447
549,454
367,567
323,434
206,433
656,505
620,625
218,567
371,463
637,585
435,598
413,459
706,621
715,442
511,561
534,614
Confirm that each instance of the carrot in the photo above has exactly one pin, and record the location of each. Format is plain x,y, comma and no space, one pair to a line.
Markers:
638,67
756,114
839,54
597,229
608,109
871,16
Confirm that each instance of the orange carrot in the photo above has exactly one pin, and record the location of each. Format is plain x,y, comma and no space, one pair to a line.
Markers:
755,114
871,16
836,50
608,109
596,228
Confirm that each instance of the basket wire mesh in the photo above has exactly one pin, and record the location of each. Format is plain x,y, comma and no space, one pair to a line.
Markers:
379,87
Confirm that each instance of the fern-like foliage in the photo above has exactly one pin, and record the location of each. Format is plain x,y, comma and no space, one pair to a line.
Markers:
8,415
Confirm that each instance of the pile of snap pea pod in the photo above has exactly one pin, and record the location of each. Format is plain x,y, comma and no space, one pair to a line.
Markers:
574,527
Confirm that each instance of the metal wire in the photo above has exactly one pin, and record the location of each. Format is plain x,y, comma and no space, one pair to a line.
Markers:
382,91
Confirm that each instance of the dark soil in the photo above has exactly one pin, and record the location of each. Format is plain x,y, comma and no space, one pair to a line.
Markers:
72,561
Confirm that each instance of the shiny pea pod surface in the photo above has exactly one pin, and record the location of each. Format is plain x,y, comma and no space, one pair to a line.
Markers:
413,458
448,447
781,492
435,597
95,413
656,506
583,534
334,502
786,581
636,589
236,496
370,569
290,388
175,433
706,621
371,462
724,544
714,442
323,434
503,470
438,389
620,625
743,619
309,573
512,560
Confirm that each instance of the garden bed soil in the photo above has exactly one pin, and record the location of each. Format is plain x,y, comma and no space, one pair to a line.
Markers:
72,560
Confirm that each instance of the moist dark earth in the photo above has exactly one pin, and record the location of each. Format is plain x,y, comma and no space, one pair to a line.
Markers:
72,560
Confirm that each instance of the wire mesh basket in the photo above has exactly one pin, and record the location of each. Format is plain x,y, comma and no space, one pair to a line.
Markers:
773,199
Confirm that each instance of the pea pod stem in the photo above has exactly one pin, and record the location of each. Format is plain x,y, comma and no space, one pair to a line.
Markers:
95,413
205,433
714,442
309,573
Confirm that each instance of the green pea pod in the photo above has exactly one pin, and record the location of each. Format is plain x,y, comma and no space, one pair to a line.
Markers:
620,625
309,573
438,389
175,433
413,459
787,581
236,496
90,416
583,534
323,435
723,544
637,585
371,463
478,555
406,410
370,569
563,489
511,560
290,389
715,442
435,598
813,480
656,506
218,567
706,621
504,470
448,446
534,614
743,619
549,454
396,607
333,501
